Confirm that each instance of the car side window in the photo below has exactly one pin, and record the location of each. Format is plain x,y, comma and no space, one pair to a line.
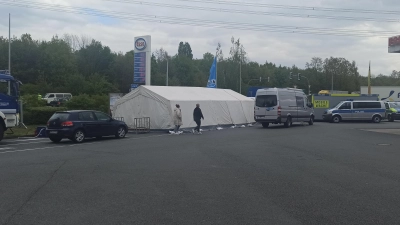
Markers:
101,116
387,105
51,96
86,116
346,105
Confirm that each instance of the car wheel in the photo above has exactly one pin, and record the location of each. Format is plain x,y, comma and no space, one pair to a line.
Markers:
288,122
390,118
265,125
336,119
121,132
376,119
311,121
55,139
79,136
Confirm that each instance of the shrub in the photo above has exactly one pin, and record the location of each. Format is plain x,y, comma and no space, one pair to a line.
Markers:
30,101
40,115
87,102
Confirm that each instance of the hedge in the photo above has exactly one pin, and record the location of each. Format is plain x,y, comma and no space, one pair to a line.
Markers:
40,115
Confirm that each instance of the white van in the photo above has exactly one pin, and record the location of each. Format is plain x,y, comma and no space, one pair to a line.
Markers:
282,105
356,110
49,97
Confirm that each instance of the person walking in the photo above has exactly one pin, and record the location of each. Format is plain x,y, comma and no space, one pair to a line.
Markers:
197,116
177,118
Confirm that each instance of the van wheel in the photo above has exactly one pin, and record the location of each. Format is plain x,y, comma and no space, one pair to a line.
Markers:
311,121
265,125
336,119
390,118
376,119
288,122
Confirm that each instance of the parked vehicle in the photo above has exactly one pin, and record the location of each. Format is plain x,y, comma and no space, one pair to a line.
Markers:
356,110
57,102
49,97
77,125
9,105
282,105
392,111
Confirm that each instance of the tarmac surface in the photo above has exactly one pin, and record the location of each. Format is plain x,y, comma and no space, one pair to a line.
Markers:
347,173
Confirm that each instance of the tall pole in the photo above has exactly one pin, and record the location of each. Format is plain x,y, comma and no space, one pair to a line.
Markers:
240,74
9,43
167,72
216,71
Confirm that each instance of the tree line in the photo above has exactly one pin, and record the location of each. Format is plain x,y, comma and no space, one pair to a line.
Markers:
81,65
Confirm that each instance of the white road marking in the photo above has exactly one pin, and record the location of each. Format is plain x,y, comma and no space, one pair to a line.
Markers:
6,148
73,145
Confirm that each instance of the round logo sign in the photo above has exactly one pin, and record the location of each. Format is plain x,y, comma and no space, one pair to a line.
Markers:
140,44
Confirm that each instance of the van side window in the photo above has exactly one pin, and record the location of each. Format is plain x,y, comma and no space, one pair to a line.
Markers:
51,96
59,95
346,105
266,101
366,105
299,101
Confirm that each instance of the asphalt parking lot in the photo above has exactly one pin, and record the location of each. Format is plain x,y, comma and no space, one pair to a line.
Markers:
347,173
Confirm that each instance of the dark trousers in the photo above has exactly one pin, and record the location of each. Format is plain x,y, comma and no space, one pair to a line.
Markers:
198,122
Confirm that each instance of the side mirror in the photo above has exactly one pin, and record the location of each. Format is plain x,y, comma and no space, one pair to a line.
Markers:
310,105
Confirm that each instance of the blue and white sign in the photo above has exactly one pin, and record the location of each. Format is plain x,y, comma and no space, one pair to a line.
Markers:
142,60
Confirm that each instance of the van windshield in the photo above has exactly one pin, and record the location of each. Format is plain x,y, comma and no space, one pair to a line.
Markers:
266,101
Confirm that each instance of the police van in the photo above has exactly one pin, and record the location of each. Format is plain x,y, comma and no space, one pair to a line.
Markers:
356,110
282,105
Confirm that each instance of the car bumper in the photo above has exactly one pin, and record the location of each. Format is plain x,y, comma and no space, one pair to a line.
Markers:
59,132
267,120
395,116
327,117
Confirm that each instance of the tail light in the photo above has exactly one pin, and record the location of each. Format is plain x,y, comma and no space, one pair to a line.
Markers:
67,124
279,110
48,123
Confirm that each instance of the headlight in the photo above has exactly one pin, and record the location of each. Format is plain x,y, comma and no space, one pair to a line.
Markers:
328,112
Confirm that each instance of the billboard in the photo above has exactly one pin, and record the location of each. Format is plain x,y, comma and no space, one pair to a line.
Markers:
394,44
386,93
142,61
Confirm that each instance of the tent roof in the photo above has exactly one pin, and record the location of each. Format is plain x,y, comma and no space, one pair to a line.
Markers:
194,93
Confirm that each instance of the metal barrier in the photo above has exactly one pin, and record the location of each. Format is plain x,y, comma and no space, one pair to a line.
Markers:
141,124
119,118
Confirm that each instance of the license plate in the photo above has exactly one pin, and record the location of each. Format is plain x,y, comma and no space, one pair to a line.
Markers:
53,132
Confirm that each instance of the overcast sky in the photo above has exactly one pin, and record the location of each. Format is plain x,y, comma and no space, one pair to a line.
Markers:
194,21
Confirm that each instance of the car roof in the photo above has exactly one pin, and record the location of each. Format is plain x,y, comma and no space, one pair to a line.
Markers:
76,111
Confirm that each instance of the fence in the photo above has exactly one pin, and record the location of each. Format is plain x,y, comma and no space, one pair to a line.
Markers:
141,125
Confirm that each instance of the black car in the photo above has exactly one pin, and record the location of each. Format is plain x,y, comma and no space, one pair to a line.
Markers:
57,102
79,124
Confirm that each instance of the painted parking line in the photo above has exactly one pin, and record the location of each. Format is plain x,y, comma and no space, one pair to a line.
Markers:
73,145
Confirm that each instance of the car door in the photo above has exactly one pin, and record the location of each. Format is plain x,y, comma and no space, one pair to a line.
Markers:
107,127
345,111
89,123
300,108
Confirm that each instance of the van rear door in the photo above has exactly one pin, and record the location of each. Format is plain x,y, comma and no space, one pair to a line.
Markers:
267,106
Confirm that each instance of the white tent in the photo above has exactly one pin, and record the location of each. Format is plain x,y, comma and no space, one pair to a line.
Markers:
219,106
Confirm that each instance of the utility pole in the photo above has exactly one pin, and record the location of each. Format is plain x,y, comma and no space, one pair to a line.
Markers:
167,71
9,43
216,70
240,74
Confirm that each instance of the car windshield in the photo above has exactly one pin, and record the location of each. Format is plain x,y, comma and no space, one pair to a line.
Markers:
338,105
394,104
61,115
266,101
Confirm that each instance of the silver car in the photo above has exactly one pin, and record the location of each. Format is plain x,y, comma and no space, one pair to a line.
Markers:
356,110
